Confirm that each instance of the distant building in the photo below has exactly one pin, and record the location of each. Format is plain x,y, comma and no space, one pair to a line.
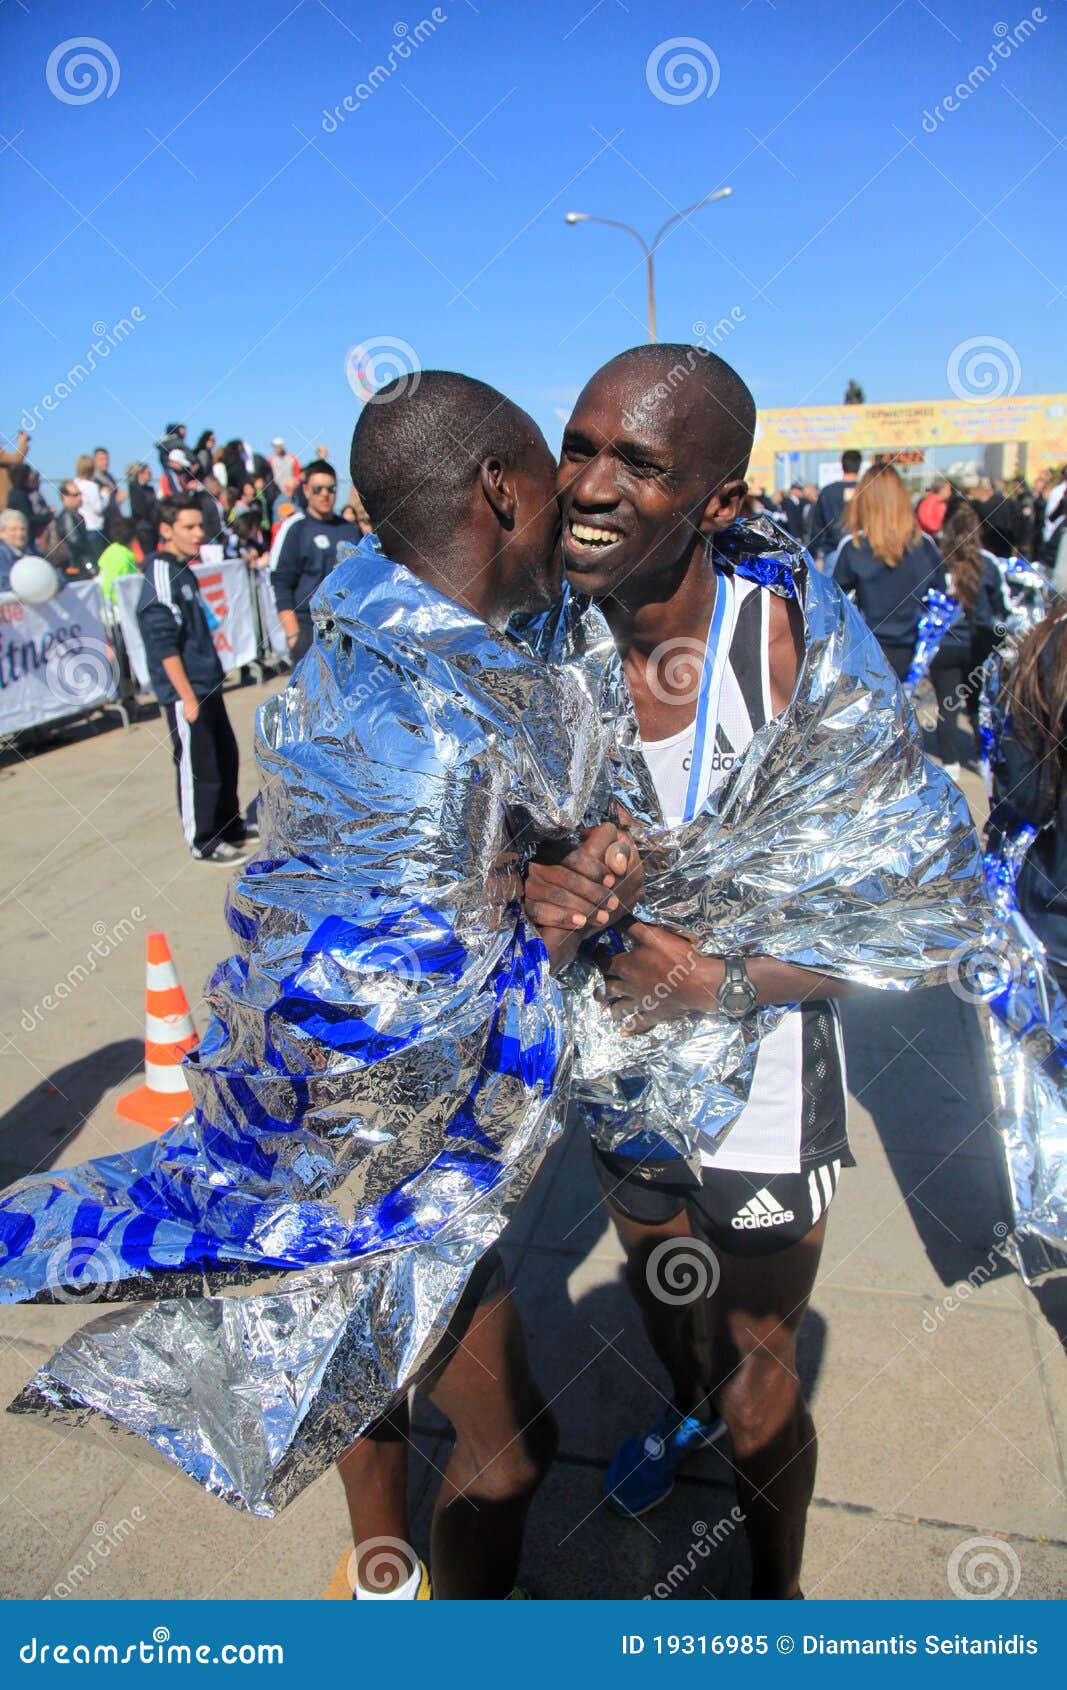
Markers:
1010,436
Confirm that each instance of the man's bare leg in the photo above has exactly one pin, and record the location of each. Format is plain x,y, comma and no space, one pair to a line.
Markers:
736,1352
374,1472
506,1440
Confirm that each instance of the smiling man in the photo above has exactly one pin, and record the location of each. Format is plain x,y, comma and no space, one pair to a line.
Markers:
765,787
646,482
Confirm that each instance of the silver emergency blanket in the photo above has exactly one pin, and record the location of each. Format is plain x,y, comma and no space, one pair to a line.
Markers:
385,1066
1025,1024
940,614
1027,592
834,844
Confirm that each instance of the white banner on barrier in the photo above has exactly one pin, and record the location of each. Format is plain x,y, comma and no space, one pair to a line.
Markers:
55,659
277,638
229,598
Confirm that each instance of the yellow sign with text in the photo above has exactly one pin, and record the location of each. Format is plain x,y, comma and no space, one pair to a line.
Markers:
1037,422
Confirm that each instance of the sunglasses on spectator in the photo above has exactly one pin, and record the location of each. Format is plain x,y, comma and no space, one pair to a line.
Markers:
323,487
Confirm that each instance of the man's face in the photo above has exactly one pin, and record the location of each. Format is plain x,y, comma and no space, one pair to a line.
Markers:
531,572
321,492
184,535
16,534
101,459
72,498
631,495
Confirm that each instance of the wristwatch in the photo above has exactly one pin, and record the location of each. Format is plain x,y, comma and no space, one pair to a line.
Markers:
737,995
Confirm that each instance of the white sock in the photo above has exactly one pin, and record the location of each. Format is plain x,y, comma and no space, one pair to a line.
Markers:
406,1592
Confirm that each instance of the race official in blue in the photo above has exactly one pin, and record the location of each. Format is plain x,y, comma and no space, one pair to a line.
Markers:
308,554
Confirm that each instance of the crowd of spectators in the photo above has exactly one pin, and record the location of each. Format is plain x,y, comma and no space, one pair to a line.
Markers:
1017,520
245,499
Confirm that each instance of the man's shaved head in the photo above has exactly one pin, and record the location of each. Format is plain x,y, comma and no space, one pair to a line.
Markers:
701,390
418,446
460,486
653,463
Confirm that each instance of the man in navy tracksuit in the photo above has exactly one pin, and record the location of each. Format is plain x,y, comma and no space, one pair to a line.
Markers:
308,553
186,678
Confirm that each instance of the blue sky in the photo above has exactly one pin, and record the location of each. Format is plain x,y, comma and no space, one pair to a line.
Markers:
259,242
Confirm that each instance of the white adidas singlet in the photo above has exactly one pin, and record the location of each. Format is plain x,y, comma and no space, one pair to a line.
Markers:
768,1136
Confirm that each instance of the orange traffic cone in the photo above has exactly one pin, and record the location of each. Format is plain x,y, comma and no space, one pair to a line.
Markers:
169,1034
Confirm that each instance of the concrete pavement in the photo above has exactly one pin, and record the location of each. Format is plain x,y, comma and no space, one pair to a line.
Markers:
942,1417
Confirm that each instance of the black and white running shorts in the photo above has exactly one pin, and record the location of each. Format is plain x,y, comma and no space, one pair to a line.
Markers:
739,1213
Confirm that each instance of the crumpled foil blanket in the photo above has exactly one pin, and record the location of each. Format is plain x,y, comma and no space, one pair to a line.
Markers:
941,612
1025,1023
386,1064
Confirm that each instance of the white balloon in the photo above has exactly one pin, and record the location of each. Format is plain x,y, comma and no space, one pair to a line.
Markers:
34,580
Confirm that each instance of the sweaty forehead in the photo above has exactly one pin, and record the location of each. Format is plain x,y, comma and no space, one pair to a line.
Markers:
668,411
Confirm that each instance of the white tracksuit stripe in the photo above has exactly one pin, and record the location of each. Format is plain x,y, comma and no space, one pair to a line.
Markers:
185,776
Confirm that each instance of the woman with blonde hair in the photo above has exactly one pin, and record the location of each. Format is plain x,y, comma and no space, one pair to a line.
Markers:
888,565
95,502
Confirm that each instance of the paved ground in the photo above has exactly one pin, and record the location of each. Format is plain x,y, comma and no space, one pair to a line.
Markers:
939,1421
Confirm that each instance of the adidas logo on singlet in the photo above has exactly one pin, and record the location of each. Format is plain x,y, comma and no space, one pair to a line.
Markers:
761,1210
723,757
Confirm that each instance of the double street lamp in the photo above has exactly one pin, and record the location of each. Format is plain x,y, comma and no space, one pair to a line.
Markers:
648,249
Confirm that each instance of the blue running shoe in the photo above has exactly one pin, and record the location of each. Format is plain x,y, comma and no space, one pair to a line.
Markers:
644,1468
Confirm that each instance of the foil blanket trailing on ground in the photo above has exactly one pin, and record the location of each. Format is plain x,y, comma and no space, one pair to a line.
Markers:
1025,1023
385,1066
834,844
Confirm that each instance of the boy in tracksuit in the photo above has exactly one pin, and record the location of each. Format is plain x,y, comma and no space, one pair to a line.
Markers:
186,677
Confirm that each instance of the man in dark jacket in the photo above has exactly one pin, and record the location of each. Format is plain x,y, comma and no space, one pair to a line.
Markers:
1000,522
74,554
796,511
172,440
308,554
186,678
827,530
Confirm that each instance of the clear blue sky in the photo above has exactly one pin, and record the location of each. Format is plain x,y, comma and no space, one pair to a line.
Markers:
856,242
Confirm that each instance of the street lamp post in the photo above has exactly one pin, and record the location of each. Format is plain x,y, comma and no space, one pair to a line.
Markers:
649,250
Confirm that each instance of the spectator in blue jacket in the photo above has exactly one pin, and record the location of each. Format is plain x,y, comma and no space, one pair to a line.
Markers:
308,554
186,677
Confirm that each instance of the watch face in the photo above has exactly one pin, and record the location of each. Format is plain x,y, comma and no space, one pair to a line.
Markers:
737,995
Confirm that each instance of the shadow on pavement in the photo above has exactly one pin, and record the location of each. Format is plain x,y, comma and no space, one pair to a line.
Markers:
917,1064
36,1130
